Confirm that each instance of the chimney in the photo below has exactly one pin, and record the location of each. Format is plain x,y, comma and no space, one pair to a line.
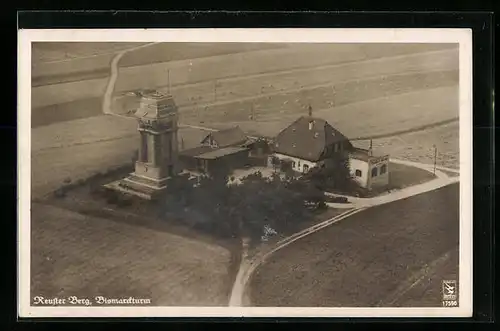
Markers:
311,122
371,148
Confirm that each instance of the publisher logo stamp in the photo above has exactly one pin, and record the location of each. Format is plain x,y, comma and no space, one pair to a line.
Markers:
450,293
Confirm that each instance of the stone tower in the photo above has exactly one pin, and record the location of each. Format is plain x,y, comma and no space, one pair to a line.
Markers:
158,148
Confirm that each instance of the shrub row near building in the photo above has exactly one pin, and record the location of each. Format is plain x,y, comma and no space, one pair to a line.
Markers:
244,209
94,181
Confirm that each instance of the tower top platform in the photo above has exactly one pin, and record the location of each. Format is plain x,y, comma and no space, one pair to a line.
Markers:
156,105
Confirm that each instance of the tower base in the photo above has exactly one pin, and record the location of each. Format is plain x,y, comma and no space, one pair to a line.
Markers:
140,186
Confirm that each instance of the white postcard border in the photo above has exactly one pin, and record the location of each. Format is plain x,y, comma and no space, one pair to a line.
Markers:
461,36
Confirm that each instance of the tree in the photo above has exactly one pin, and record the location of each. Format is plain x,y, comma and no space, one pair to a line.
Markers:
275,162
335,176
242,210
286,167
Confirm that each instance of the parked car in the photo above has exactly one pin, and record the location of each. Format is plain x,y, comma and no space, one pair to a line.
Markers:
337,199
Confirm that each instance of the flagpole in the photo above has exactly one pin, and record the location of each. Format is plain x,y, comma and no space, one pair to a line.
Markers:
168,78
435,157
215,90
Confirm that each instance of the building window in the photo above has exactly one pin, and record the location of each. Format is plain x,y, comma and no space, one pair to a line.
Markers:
306,168
374,172
358,173
299,165
293,164
335,148
383,169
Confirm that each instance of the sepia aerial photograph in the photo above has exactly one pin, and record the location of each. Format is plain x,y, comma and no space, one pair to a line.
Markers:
244,174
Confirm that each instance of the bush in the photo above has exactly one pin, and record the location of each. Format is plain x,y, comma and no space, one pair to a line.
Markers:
98,191
80,182
123,202
242,210
60,193
111,197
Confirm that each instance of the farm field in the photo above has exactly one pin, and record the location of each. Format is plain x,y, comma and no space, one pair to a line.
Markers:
235,67
96,256
300,80
281,61
365,260
419,146
166,52
47,52
378,116
56,63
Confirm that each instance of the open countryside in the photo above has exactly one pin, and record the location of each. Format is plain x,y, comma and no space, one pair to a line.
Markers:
405,97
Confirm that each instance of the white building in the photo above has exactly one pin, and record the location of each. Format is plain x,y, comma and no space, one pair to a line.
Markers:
368,170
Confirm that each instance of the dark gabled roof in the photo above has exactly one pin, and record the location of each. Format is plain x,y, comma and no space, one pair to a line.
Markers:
298,141
228,137
216,153
192,152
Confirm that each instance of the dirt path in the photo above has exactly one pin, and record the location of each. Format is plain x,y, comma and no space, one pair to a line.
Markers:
248,266
106,104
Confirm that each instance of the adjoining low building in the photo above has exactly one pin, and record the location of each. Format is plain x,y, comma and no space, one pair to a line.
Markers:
220,150
370,171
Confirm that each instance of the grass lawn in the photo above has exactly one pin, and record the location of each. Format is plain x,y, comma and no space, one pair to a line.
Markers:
364,260
73,254
401,176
